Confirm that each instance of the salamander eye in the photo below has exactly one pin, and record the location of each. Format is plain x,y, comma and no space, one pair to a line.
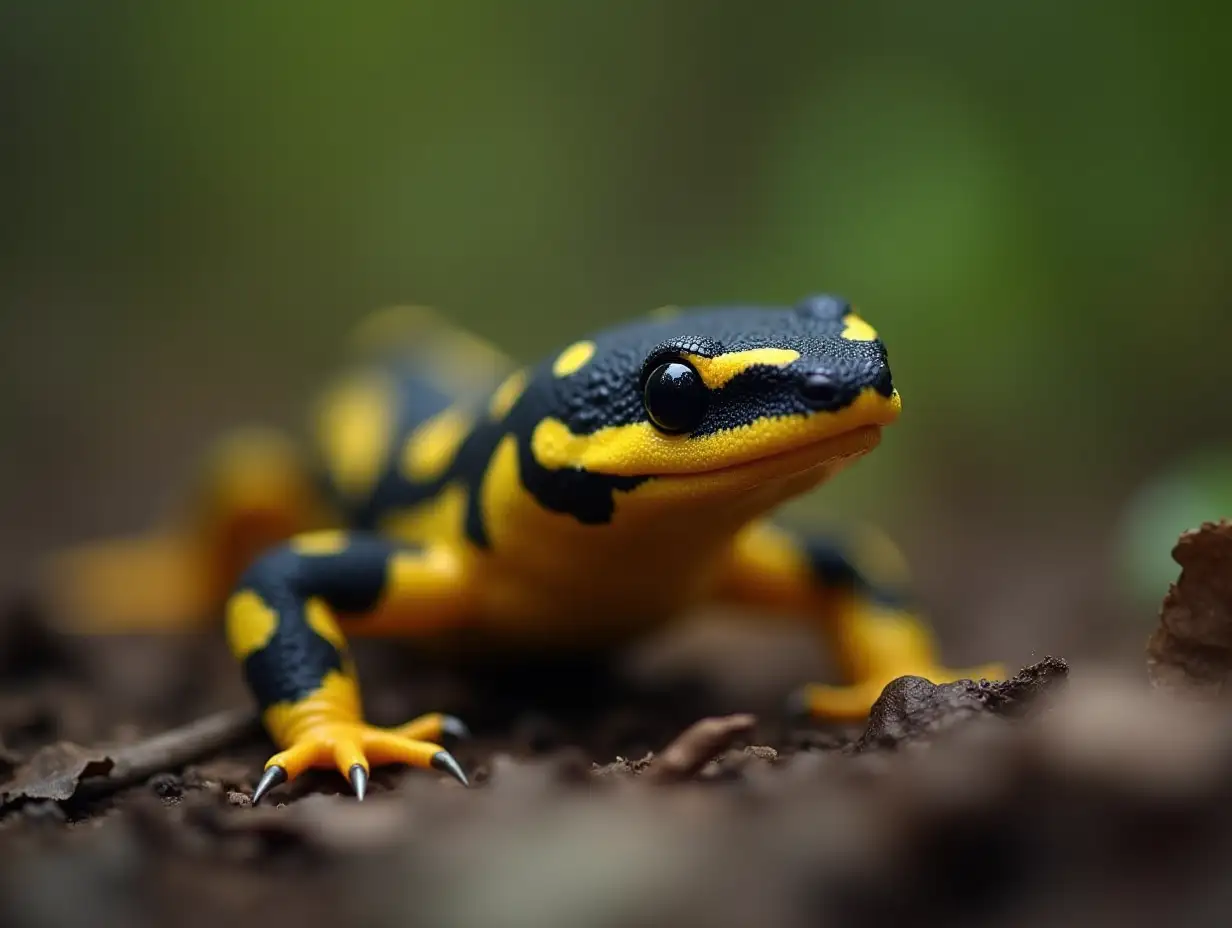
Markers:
675,397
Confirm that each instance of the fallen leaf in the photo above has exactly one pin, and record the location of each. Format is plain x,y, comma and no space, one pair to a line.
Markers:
55,772
60,770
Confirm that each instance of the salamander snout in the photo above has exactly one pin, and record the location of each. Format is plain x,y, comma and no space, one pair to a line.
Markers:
830,387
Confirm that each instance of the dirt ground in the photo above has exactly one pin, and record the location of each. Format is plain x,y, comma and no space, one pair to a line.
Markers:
630,794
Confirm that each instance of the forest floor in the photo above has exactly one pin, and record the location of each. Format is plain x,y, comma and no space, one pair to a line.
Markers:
1064,796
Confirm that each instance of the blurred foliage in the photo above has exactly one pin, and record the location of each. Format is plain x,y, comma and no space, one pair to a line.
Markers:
1197,489
1031,201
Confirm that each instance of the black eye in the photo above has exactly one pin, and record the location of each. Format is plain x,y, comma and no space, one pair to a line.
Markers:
675,397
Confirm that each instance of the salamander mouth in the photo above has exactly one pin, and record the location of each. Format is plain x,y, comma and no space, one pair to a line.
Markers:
825,452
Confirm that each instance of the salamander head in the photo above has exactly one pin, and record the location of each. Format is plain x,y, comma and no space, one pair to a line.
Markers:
718,398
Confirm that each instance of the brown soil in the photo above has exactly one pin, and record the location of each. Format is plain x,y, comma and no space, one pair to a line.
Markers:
604,797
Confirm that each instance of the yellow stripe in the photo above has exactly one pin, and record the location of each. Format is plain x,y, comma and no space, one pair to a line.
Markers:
715,372
573,358
250,623
640,449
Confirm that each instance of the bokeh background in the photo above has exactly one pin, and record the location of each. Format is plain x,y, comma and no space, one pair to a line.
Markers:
1030,201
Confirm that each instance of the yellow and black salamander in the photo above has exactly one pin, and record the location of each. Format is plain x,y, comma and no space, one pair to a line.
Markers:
603,492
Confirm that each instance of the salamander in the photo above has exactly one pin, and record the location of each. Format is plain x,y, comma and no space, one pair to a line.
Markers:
621,482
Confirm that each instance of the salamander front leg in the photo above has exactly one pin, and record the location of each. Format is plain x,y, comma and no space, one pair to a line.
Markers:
283,624
859,604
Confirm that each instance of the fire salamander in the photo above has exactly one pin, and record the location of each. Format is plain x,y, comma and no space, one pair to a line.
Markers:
596,495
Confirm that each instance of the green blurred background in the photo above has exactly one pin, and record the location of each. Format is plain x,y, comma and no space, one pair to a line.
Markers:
1030,201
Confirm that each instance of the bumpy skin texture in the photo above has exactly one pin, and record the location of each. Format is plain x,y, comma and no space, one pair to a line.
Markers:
295,658
543,508
605,393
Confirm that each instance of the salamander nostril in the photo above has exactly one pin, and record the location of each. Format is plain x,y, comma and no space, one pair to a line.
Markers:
819,390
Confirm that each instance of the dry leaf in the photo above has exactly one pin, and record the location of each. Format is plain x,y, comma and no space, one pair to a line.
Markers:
55,772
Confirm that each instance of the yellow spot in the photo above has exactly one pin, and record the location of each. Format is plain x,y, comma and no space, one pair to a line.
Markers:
354,426
321,621
775,550
573,358
468,349
446,354
715,372
431,448
329,541
857,330
250,623
508,393
878,557
432,520
665,312
501,483
392,324
769,566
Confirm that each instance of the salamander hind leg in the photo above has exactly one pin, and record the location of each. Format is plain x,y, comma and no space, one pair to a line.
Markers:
284,623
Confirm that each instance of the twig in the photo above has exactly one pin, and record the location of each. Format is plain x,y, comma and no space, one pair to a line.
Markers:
697,745
133,763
